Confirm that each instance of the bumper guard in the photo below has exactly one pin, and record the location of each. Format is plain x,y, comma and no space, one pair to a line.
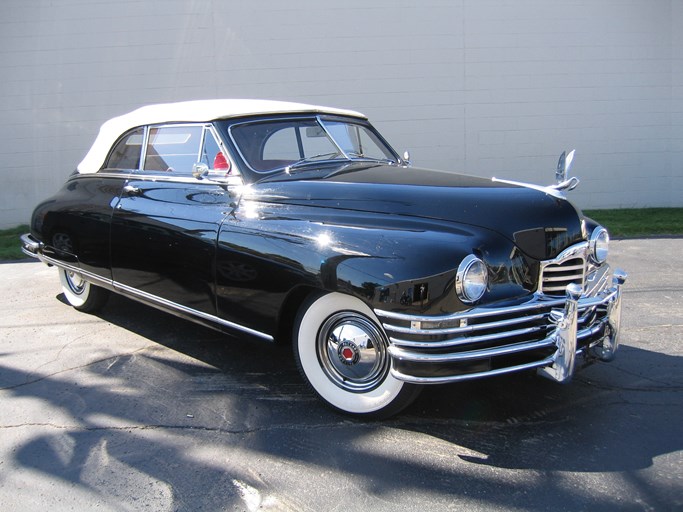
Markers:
563,364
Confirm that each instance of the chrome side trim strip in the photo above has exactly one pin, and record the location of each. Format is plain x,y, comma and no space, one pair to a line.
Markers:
148,297
88,276
155,178
188,311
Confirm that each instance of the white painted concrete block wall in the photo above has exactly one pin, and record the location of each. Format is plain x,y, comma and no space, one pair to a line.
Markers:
489,87
677,103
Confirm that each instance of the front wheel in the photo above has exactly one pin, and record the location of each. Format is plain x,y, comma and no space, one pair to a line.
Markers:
81,294
342,352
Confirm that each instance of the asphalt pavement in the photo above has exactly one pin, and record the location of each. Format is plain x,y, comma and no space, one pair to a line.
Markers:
135,409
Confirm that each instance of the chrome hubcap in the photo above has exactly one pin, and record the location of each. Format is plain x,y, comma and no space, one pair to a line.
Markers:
76,282
352,351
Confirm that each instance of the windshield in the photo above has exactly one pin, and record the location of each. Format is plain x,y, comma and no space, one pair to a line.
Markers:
277,144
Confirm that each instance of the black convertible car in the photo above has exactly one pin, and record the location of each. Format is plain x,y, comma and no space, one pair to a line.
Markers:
287,221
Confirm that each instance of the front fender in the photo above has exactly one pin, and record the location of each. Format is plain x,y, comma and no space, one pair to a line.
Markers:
396,263
413,270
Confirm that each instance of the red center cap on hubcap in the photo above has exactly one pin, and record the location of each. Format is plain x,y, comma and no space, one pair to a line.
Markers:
347,353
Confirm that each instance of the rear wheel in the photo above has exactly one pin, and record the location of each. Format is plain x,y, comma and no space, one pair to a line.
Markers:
342,352
81,294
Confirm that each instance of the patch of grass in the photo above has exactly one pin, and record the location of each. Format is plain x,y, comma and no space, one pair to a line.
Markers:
10,246
640,221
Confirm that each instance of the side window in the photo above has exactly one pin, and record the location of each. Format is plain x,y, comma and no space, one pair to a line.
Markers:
173,148
126,153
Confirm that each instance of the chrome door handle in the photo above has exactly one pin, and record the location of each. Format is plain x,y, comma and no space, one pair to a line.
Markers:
130,190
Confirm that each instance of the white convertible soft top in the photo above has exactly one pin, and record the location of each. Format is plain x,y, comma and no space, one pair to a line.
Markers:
190,111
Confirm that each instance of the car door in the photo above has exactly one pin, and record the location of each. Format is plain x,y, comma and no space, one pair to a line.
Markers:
77,231
164,228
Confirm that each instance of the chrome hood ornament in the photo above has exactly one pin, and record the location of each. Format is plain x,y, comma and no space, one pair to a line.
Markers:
562,171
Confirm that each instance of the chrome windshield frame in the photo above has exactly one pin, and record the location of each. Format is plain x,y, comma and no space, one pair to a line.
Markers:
320,120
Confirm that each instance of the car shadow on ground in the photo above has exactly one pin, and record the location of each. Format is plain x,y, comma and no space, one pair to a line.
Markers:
238,394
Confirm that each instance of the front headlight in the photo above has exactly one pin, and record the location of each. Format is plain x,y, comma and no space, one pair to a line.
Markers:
471,279
599,244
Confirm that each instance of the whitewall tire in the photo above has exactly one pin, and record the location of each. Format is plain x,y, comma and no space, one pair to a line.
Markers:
81,294
342,352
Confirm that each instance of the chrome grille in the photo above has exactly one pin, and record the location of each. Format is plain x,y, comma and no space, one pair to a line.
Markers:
556,276
484,341
490,341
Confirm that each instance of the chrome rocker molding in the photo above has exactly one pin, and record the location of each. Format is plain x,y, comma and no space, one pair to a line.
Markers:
33,248
564,334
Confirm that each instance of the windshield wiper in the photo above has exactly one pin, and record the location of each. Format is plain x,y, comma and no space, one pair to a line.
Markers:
365,158
315,158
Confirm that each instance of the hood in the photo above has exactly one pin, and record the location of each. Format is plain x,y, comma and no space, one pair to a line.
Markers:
539,222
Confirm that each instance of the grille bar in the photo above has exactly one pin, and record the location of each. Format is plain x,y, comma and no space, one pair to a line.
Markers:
500,335
471,354
556,276
461,330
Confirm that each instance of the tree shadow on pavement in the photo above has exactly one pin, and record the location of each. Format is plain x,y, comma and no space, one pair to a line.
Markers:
201,419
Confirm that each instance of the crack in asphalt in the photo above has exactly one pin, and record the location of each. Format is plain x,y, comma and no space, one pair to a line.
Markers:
59,352
217,430
65,370
651,389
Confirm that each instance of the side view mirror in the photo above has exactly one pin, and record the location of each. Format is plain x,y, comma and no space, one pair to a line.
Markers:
406,157
200,170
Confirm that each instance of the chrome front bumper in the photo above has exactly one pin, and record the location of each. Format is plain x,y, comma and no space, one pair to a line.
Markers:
30,246
546,334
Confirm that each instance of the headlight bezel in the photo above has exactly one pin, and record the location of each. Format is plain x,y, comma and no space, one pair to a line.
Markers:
599,245
468,291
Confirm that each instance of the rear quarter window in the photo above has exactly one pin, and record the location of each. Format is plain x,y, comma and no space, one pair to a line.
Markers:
127,151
